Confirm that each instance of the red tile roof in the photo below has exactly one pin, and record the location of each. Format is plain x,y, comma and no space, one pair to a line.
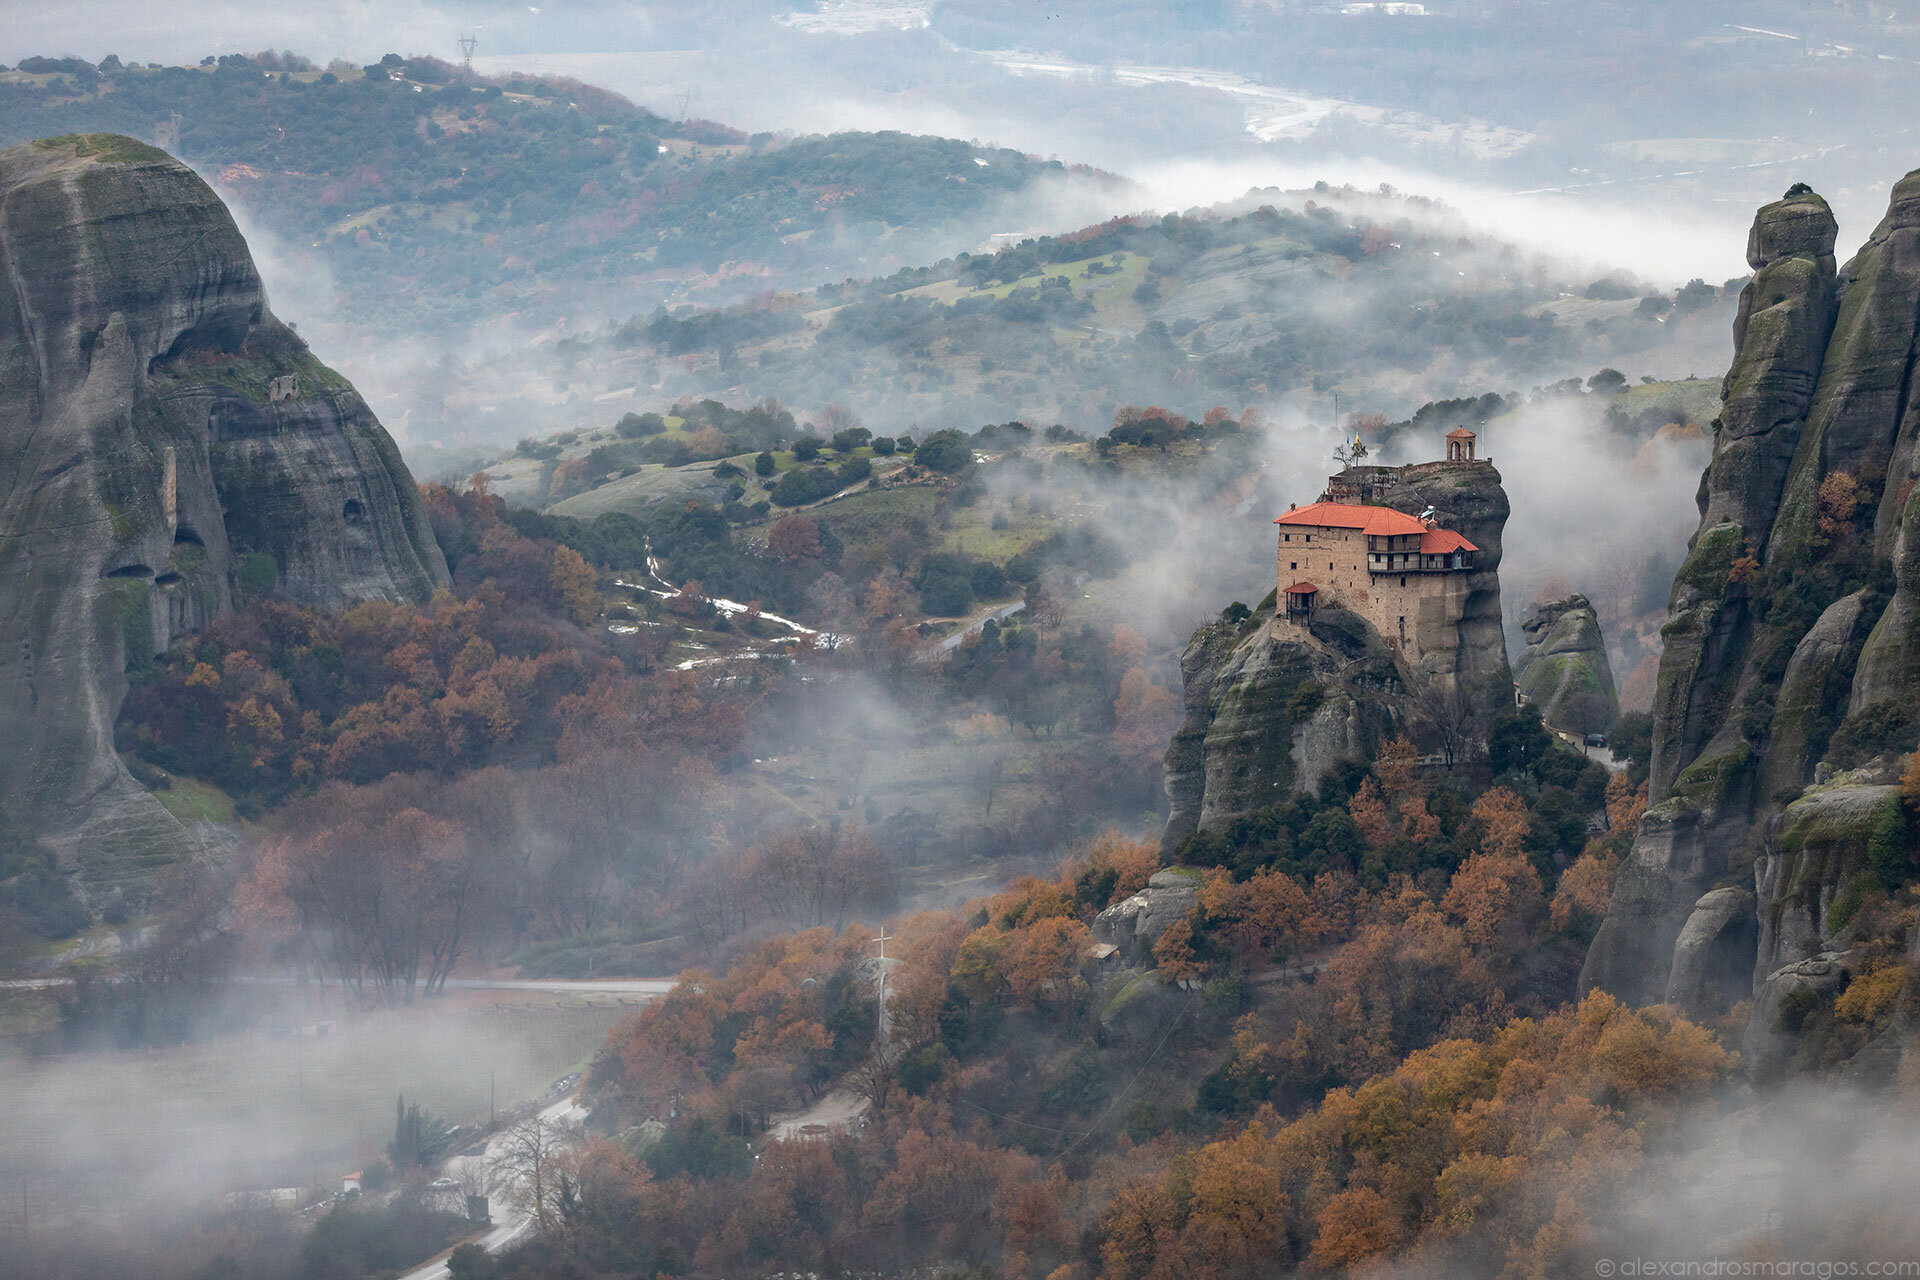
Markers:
1302,589
1379,522
1439,542
1460,433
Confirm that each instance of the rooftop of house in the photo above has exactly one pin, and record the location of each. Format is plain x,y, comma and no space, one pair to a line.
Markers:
1460,433
1378,522
1303,589
1438,542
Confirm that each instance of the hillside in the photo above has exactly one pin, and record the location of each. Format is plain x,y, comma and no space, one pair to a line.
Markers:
434,200
1282,300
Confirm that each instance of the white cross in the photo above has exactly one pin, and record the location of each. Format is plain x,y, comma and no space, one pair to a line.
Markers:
883,939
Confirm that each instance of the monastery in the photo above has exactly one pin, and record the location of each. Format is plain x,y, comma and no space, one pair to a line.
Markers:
1405,575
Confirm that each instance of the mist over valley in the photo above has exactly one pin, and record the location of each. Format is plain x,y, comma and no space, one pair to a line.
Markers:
928,637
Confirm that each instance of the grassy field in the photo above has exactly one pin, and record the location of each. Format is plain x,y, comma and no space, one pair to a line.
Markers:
193,1122
1698,398
650,484
1111,294
191,800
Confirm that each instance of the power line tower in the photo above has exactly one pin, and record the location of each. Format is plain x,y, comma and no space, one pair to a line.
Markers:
467,45
686,96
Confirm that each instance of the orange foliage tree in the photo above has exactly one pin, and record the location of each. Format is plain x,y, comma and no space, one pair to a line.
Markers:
1507,1145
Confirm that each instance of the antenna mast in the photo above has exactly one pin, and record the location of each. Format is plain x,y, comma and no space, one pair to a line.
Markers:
467,45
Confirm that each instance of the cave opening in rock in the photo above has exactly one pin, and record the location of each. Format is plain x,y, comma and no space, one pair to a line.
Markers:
353,512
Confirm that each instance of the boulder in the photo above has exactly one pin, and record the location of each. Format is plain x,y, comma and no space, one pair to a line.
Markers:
1134,924
1781,1000
1564,668
1811,854
1714,953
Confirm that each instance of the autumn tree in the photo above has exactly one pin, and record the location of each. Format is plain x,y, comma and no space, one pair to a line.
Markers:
1042,959
1173,954
1398,769
1144,716
1356,1225
1835,505
1473,1148
794,539
1371,816
1585,889
1267,916
1495,899
1504,815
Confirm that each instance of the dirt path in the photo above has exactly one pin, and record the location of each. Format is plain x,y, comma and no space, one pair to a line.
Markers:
838,1110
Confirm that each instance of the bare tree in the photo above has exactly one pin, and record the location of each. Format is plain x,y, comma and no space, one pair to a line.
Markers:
984,769
873,1079
527,1169
379,888
831,418
1448,713
816,873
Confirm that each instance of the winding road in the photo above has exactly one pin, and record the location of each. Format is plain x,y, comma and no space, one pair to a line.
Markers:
510,1223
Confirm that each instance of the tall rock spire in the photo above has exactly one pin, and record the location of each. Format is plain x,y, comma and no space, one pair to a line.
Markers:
148,479
1788,637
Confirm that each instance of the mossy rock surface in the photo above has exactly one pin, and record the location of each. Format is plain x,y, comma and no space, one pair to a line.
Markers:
108,148
152,461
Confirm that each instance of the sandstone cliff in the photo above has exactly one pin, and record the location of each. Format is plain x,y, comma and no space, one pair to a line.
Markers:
1790,646
1564,669
1268,718
166,447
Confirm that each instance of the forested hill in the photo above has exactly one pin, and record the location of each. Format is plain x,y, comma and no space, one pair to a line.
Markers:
431,196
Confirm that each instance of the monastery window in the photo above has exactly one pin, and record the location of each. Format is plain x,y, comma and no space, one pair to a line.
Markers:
1293,564
1403,579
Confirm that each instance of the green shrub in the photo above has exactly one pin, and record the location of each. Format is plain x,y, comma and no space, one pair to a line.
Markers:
258,573
1887,845
925,1067
803,485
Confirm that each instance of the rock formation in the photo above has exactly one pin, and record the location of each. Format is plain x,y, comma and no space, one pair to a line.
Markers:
1472,501
167,447
1564,669
1267,718
1135,923
1791,650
